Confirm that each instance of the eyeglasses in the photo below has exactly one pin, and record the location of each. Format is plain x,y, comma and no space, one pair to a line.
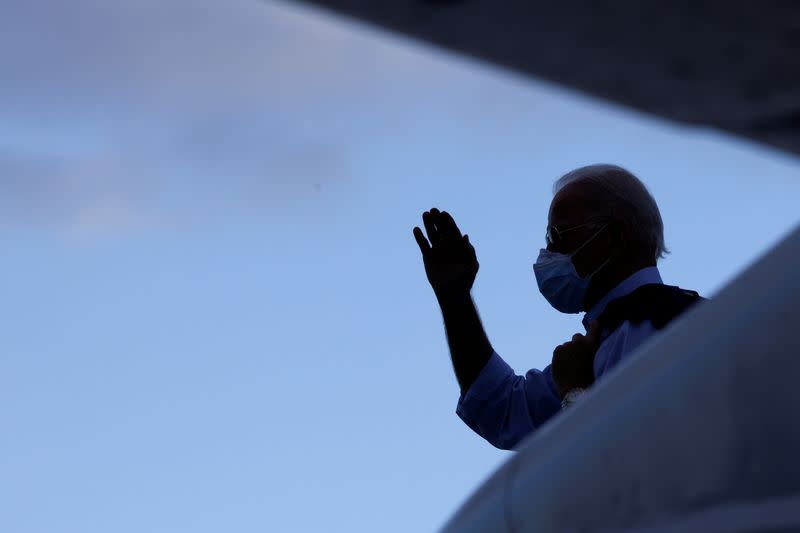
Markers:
553,236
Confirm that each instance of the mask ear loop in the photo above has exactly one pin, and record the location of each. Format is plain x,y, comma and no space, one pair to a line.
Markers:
601,266
587,242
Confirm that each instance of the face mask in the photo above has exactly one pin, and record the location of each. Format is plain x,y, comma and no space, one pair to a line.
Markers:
558,280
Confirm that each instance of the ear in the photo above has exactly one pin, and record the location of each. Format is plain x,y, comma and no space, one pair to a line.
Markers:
618,232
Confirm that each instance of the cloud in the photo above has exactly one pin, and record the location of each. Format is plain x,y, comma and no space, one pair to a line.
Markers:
106,108
143,112
120,191
154,56
38,190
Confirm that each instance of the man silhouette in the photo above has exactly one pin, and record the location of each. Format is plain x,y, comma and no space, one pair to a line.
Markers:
603,239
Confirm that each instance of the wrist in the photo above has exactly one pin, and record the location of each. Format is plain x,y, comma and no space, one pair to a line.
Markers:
453,296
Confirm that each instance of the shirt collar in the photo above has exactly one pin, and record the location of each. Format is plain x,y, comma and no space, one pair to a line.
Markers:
628,285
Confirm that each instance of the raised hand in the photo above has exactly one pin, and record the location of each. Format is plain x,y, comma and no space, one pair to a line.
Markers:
573,361
450,260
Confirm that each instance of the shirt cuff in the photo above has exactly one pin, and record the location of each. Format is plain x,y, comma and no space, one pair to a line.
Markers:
494,374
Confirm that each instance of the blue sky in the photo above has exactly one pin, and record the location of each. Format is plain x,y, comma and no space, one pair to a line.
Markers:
215,314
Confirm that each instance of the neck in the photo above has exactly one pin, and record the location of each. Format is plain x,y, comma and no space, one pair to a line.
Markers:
609,277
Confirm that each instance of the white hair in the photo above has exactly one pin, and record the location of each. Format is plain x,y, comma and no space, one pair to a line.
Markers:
618,193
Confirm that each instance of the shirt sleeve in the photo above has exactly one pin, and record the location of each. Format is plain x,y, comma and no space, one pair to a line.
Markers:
503,407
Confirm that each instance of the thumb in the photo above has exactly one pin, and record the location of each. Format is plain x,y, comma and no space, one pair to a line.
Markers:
593,334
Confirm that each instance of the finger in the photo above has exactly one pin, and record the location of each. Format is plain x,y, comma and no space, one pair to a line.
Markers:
449,225
471,248
421,241
577,337
436,217
443,231
428,218
593,334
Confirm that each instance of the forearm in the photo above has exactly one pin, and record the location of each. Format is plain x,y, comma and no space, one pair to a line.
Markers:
469,346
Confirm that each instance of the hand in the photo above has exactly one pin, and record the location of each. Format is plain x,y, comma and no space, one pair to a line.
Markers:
450,261
573,361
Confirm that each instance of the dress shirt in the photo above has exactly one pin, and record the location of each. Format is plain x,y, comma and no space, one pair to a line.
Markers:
503,407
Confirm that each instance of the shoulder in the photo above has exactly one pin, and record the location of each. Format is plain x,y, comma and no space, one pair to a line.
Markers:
655,302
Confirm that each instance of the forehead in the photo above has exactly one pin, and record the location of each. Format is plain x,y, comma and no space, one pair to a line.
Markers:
569,207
